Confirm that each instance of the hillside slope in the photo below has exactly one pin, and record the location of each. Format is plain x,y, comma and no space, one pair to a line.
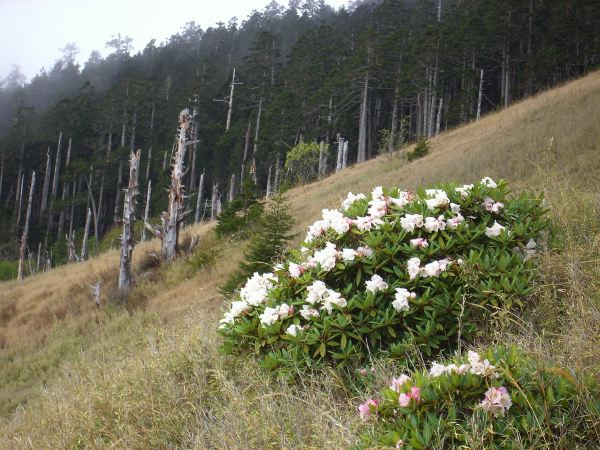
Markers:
119,365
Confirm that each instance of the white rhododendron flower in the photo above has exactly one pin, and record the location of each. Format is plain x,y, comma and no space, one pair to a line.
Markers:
295,270
433,224
496,401
316,230
438,198
464,190
440,369
316,291
375,284
435,268
284,310
492,206
269,316
377,208
238,307
454,208
411,221
307,312
367,222
398,382
351,199
419,243
400,302
494,230
348,254
377,193
455,221
335,220
326,257
255,290
293,330
364,252
488,182
437,369
479,367
333,298
413,266
402,200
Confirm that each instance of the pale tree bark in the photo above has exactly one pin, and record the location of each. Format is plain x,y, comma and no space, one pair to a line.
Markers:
231,189
176,194
21,187
26,228
46,182
268,193
230,109
345,155
340,153
480,95
322,160
246,149
213,202
394,124
199,198
72,215
127,236
439,117
439,11
93,203
362,127
277,174
118,194
39,257
71,251
86,235
256,134
54,191
147,209
65,192
194,149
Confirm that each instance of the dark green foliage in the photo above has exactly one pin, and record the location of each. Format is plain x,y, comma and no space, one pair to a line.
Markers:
8,270
482,277
421,149
268,243
240,216
551,408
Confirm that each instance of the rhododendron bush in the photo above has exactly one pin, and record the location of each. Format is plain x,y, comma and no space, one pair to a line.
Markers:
501,398
393,271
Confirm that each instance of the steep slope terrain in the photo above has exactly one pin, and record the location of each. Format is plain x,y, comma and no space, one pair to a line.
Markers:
131,380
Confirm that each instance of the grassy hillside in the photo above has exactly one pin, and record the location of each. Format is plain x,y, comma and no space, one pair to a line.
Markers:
151,375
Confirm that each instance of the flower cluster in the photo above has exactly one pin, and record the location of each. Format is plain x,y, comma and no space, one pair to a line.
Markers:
393,257
475,366
367,408
497,401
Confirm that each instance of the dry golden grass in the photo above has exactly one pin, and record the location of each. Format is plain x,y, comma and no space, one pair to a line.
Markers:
182,393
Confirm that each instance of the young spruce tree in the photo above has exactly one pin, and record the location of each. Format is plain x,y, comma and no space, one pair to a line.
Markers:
267,245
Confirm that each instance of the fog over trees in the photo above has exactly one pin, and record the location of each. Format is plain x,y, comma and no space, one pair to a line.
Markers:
364,78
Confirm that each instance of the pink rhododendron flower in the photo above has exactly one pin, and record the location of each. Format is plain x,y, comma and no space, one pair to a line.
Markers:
367,408
419,243
403,400
398,382
496,401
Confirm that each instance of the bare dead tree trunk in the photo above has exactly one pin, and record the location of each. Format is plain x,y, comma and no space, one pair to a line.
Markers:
277,174
71,251
213,202
39,257
340,153
46,182
439,117
72,215
194,149
322,160
127,236
21,187
176,193
268,194
439,11
118,194
362,127
55,183
199,198
345,155
86,235
26,228
109,144
231,189
147,209
65,192
256,131
230,110
247,142
394,124
480,95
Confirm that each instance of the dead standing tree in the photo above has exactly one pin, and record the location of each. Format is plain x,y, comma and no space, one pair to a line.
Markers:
26,229
168,232
127,237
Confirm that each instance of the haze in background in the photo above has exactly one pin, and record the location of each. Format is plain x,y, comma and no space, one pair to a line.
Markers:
32,32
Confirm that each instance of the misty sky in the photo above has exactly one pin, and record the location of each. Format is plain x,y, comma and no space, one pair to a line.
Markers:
33,31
